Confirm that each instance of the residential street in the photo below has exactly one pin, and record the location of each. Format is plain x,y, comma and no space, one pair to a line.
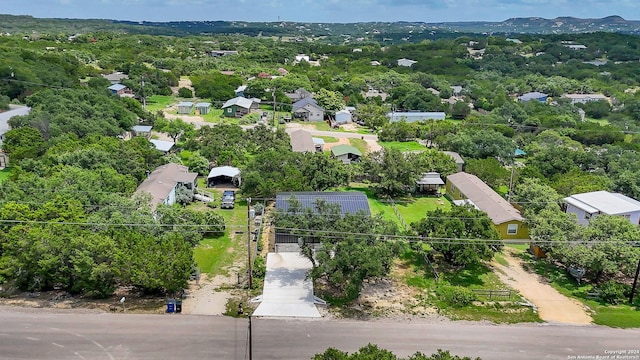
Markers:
56,334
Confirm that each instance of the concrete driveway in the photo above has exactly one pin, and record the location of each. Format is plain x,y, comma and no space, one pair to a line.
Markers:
287,292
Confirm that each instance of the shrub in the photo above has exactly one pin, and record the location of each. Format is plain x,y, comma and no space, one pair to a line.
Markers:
259,268
185,92
455,296
613,292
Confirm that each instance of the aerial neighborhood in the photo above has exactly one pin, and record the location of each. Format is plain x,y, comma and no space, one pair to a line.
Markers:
322,173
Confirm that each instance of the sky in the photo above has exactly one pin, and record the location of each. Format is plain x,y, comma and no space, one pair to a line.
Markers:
324,11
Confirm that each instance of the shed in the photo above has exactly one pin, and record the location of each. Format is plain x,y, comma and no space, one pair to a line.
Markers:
203,108
185,107
301,141
117,89
224,175
429,182
343,117
142,130
318,143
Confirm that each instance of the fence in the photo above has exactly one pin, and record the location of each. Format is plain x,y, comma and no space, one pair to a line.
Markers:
395,208
493,294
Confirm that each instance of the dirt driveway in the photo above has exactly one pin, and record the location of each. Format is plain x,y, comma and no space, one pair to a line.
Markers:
552,306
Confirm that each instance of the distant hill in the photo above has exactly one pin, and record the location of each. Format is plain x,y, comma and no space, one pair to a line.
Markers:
377,31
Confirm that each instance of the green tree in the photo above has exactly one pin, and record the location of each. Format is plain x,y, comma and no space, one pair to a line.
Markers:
371,115
464,236
330,100
184,92
373,352
323,172
490,171
460,110
24,142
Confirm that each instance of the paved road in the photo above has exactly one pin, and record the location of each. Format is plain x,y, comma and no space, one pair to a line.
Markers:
336,134
47,334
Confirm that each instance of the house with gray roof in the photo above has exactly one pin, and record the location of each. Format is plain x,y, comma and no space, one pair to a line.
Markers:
116,77
308,109
162,145
587,205
429,182
406,62
237,107
163,182
507,219
457,158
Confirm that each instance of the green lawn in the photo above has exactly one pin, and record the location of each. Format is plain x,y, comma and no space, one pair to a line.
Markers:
377,207
413,209
622,316
601,122
159,102
214,254
4,174
403,146
360,145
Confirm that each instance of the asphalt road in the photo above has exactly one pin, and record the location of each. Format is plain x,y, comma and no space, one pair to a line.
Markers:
48,334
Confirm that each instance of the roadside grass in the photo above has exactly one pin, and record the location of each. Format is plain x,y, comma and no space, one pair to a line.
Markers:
328,139
214,254
500,259
214,115
4,174
413,209
159,102
620,316
403,146
417,274
360,145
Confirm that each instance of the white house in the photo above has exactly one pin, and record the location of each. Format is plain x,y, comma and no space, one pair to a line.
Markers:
585,98
587,205
163,181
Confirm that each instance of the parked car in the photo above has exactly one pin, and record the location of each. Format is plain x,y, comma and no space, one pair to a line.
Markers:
230,193
228,202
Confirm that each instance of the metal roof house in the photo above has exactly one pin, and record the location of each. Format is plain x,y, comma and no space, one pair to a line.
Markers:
406,62
346,153
163,181
413,116
506,218
115,77
585,98
185,107
142,130
587,205
350,203
237,107
223,175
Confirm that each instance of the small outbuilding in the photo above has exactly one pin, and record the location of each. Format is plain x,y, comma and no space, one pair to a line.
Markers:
203,108
185,107
164,146
346,153
224,175
430,182
343,117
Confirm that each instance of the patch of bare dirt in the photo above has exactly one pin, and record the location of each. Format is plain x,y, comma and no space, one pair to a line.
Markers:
552,306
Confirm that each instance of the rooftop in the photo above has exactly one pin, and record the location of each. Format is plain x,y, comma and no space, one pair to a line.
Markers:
163,179
603,202
350,202
302,141
342,149
238,101
487,200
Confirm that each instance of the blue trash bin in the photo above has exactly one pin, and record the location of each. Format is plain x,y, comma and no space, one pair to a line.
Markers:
171,306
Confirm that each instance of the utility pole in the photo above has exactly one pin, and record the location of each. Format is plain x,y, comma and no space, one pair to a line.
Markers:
144,99
249,246
635,282
250,340
273,93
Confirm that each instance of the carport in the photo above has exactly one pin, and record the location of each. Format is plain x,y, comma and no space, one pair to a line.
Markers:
287,292
224,175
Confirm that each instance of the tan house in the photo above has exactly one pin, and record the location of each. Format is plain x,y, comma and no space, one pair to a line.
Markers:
466,188
164,180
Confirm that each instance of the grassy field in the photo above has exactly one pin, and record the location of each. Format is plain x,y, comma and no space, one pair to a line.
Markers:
403,146
377,206
622,316
159,102
214,254
419,276
414,209
4,174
